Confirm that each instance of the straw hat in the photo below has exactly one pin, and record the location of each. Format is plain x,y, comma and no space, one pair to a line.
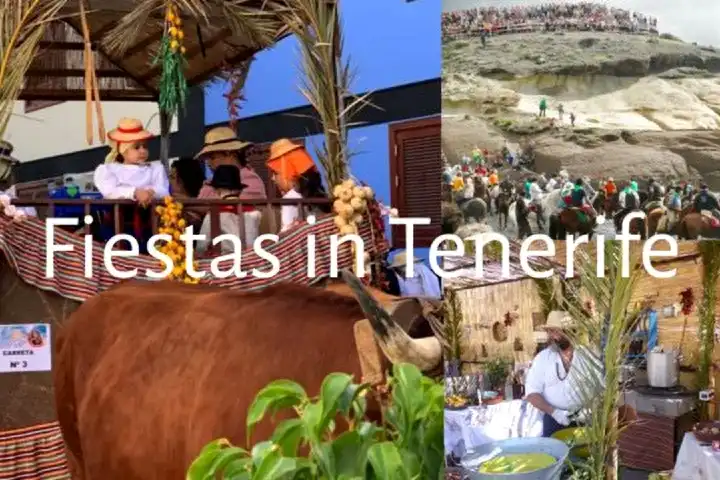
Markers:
288,159
222,139
558,320
129,130
400,260
281,147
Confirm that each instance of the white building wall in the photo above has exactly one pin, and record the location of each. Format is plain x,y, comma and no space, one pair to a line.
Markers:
60,129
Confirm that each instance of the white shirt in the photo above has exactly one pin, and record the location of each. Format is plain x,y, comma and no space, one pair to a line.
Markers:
548,378
623,194
550,186
120,180
230,224
536,193
289,214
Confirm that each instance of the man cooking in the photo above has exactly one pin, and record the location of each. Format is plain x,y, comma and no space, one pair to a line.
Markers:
553,381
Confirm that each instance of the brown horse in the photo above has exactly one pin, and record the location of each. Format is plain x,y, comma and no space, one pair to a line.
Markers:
569,222
694,225
656,222
637,225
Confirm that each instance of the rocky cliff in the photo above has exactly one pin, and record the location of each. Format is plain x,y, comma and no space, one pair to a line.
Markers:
643,106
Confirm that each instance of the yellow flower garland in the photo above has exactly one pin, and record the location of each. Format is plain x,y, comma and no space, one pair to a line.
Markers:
172,223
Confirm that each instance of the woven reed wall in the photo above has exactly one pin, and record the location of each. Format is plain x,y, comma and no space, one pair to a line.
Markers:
485,306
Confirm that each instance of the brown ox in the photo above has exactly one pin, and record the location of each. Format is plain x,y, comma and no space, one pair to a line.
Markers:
146,374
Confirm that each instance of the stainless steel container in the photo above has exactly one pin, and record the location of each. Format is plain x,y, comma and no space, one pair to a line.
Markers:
662,369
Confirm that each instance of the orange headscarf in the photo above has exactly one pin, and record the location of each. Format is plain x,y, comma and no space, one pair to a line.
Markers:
288,159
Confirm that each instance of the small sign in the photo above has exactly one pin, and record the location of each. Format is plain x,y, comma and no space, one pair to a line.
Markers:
25,348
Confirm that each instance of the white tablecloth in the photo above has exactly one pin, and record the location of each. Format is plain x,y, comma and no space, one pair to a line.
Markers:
695,461
468,428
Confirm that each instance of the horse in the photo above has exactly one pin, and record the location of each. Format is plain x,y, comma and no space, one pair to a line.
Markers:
569,222
694,225
502,204
521,214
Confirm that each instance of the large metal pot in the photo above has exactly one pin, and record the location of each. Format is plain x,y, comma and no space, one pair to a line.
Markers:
472,460
662,369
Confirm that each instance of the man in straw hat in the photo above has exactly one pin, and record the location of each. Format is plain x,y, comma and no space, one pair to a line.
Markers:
553,381
423,282
222,147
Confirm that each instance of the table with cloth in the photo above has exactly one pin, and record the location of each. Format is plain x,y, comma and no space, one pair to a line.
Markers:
473,426
696,461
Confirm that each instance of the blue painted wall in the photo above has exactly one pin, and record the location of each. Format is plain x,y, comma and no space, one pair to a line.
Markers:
388,42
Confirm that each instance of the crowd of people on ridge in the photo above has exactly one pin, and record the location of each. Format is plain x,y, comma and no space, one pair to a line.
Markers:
583,16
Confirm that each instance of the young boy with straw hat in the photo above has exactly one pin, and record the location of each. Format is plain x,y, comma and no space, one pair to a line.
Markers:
297,177
126,174
222,147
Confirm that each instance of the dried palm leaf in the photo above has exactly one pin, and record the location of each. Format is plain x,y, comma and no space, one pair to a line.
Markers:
257,27
327,79
603,335
22,25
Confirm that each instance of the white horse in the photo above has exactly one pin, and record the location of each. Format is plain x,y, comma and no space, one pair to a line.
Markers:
550,204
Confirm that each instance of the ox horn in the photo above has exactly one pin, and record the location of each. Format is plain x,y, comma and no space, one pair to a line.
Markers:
396,344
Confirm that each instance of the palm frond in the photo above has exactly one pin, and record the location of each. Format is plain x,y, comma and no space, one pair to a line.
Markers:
22,25
327,79
602,310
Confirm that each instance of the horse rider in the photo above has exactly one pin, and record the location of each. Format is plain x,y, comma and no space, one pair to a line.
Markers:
551,184
610,188
536,195
634,185
628,200
493,179
674,204
706,201
656,192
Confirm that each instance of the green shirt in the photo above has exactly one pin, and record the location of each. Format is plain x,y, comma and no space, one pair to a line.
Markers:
634,185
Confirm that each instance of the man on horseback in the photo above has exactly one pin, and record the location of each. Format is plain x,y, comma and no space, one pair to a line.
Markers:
609,187
536,195
629,201
706,201
674,205
656,192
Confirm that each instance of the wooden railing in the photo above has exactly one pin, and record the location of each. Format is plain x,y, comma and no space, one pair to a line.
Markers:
269,209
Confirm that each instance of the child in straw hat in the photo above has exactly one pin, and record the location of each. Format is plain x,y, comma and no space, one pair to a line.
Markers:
222,147
296,175
126,174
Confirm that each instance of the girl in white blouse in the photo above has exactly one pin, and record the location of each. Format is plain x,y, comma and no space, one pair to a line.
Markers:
126,174
297,177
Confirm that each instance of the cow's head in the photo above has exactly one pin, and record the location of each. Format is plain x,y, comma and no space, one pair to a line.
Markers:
395,342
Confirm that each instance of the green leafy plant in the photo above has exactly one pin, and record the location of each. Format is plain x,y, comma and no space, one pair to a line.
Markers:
603,332
496,371
408,444
710,253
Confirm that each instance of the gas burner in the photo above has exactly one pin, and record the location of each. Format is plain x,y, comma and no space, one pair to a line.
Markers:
676,391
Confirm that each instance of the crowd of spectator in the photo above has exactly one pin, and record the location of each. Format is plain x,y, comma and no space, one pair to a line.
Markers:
582,16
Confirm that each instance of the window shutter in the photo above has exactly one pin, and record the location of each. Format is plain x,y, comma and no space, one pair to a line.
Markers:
257,157
417,170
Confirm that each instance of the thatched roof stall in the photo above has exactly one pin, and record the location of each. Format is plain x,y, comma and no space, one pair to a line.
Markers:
500,313
126,35
134,50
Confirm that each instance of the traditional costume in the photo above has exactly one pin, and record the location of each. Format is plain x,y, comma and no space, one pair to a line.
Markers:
224,139
116,179
289,161
227,179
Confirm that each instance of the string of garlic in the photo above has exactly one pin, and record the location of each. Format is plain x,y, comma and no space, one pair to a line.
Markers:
350,207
